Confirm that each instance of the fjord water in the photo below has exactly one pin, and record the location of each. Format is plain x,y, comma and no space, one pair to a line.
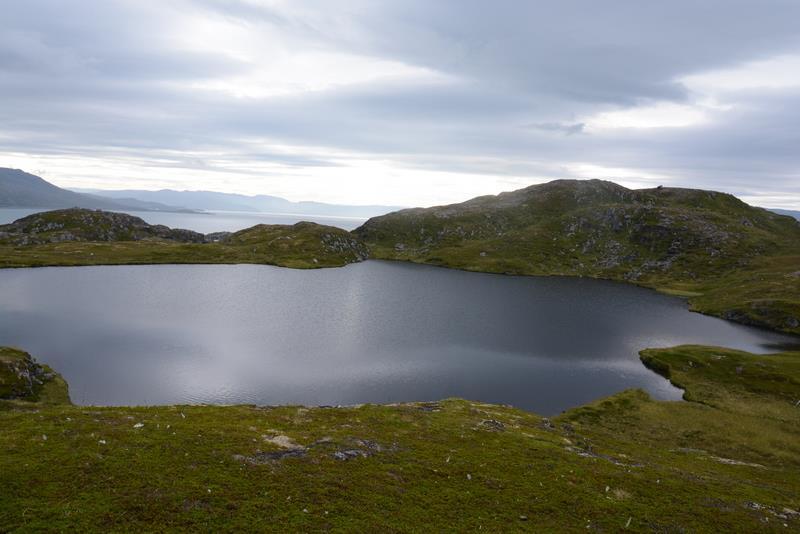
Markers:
371,332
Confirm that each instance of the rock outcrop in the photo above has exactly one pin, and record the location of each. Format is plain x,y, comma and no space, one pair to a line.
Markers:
21,378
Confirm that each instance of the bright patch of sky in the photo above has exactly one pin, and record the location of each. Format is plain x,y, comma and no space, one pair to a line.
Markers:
403,103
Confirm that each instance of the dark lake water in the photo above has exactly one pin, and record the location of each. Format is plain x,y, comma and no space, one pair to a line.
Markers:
371,332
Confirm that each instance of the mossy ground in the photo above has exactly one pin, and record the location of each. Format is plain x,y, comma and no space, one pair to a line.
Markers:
727,460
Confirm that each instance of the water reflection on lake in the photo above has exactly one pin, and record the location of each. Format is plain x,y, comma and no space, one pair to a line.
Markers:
371,332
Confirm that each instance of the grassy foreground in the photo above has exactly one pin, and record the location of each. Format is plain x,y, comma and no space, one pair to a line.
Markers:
727,460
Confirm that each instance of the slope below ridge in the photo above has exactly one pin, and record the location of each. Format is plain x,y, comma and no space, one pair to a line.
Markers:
683,240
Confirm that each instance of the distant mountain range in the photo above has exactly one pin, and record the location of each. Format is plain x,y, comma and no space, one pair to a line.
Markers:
19,189
790,213
211,200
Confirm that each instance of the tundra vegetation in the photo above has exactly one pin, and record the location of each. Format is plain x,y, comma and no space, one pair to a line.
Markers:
88,237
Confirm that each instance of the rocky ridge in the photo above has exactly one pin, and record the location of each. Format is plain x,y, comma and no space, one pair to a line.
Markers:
78,224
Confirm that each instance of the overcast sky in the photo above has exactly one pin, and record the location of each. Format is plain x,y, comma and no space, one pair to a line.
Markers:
407,102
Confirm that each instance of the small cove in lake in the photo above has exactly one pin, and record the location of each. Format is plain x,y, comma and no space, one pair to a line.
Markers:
370,332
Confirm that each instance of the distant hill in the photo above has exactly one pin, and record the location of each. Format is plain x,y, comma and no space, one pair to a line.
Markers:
735,260
19,189
78,236
790,213
211,200
78,224
589,227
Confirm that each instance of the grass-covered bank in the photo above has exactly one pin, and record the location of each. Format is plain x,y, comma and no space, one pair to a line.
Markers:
85,237
728,459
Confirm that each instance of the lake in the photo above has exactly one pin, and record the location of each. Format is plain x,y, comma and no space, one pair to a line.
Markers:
208,222
369,332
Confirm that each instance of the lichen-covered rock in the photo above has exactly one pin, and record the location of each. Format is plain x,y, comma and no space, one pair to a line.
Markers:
20,376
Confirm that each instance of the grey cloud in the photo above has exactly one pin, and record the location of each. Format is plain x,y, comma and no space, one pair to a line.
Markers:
615,52
99,41
105,78
565,128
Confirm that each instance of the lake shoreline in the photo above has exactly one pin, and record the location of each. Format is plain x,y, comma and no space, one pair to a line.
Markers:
375,332
757,293
659,288
687,296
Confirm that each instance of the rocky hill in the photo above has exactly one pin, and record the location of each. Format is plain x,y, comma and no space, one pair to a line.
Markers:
304,240
78,224
699,243
92,237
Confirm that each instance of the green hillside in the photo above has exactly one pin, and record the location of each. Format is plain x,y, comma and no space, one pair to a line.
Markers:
731,259
88,237
77,224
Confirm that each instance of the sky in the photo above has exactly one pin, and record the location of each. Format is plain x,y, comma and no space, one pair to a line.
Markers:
412,102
